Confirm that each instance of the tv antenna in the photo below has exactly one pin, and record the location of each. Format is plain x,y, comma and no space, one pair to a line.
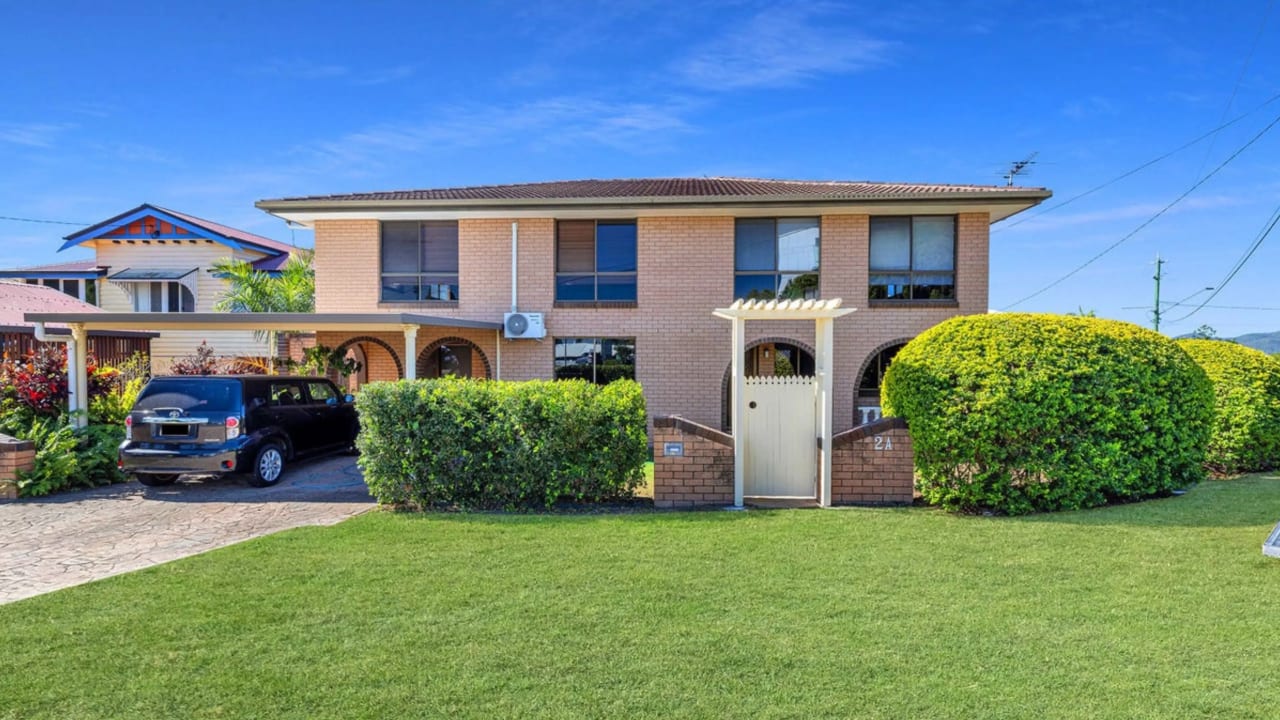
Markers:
1021,167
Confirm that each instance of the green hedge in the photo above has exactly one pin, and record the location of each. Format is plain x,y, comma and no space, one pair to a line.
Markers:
1019,413
1246,386
487,445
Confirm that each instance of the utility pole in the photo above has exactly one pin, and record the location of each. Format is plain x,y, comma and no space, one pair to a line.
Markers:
1156,312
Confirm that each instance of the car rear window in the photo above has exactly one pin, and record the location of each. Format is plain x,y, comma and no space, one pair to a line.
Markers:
190,395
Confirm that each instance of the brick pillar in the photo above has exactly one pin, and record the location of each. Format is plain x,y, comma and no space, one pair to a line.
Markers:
15,456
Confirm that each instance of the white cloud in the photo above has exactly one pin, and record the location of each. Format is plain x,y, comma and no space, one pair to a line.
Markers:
1133,211
38,135
782,45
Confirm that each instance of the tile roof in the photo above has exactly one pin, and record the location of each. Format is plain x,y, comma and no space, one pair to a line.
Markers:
707,188
19,298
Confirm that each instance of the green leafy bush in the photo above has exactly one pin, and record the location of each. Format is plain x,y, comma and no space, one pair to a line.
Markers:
68,458
1018,413
1246,387
485,444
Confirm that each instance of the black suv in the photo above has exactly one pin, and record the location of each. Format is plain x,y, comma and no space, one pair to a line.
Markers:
250,424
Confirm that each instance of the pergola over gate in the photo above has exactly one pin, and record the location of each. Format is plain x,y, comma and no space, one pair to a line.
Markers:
779,423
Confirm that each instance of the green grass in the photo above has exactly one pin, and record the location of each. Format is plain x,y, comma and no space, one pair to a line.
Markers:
1164,609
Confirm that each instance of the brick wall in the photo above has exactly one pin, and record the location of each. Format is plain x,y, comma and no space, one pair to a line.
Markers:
15,455
702,475
873,465
685,269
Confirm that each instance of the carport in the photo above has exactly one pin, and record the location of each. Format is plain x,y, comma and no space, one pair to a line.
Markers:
81,324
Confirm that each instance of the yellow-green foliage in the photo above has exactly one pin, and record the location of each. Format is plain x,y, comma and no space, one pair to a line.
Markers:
1246,387
1019,413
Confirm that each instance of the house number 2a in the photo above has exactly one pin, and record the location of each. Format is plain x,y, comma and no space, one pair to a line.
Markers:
883,443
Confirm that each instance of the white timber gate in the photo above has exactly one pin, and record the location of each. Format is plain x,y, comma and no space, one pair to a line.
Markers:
782,426
780,433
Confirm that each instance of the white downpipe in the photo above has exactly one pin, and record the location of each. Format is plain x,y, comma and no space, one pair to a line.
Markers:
515,248
498,343
73,393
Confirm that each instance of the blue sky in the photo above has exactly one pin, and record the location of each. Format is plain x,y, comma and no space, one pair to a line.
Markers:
108,105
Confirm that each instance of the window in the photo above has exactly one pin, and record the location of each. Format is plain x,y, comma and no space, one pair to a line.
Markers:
70,286
596,261
597,360
420,261
775,258
913,258
867,402
171,297
322,393
285,394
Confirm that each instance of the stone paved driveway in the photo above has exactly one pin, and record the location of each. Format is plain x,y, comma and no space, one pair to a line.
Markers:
64,540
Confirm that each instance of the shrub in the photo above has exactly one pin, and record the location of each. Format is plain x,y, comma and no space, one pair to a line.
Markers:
1246,388
1019,413
487,444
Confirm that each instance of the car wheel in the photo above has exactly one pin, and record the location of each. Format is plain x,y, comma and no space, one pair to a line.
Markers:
268,466
156,480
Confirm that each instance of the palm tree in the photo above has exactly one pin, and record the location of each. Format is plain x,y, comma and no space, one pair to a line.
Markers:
293,289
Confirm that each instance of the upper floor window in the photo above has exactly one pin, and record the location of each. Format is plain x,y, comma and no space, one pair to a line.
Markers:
171,297
596,261
419,261
913,258
775,258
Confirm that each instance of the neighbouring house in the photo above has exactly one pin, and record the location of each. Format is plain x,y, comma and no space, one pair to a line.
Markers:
155,260
79,278
626,273
18,336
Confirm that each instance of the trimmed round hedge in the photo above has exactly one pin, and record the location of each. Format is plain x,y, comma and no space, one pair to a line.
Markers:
1246,387
1018,413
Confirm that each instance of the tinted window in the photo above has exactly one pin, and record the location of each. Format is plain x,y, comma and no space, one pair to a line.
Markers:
321,392
285,394
190,395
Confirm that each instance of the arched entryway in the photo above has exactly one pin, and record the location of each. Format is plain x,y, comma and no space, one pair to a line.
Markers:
453,356
375,358
866,399
772,356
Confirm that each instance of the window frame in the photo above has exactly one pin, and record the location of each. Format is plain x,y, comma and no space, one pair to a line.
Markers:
139,288
777,272
596,341
419,273
596,273
911,272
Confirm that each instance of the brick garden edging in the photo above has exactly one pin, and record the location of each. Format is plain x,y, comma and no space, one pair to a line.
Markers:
15,455
871,464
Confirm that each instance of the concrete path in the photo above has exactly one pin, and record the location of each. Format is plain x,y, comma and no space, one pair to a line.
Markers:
72,538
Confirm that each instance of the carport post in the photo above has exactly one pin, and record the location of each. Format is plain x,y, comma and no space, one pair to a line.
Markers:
410,352
739,412
80,366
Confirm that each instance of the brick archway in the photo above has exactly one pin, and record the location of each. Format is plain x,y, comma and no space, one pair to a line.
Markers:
476,351
862,370
342,349
728,371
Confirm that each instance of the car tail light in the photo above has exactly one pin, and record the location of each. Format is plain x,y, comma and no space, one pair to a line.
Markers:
128,427
233,427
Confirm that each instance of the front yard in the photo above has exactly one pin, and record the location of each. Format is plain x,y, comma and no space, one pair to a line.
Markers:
1158,610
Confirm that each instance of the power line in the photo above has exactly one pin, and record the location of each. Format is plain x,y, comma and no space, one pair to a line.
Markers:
1153,218
46,222
1248,60
1244,259
1140,168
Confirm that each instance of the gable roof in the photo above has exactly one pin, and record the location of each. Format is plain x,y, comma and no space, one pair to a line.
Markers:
710,188
199,226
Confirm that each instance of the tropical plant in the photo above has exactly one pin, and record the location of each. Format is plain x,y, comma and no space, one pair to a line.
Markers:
201,362
292,290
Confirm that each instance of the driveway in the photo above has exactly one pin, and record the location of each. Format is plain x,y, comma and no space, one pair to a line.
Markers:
63,540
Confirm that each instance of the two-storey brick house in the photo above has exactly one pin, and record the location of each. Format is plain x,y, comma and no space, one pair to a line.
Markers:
627,273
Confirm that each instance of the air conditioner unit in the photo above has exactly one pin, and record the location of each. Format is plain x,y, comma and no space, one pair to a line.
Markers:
523,325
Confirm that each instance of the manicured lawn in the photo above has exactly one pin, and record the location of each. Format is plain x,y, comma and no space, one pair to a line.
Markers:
1159,610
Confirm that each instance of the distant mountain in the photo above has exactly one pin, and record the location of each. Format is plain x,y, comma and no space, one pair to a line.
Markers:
1268,343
